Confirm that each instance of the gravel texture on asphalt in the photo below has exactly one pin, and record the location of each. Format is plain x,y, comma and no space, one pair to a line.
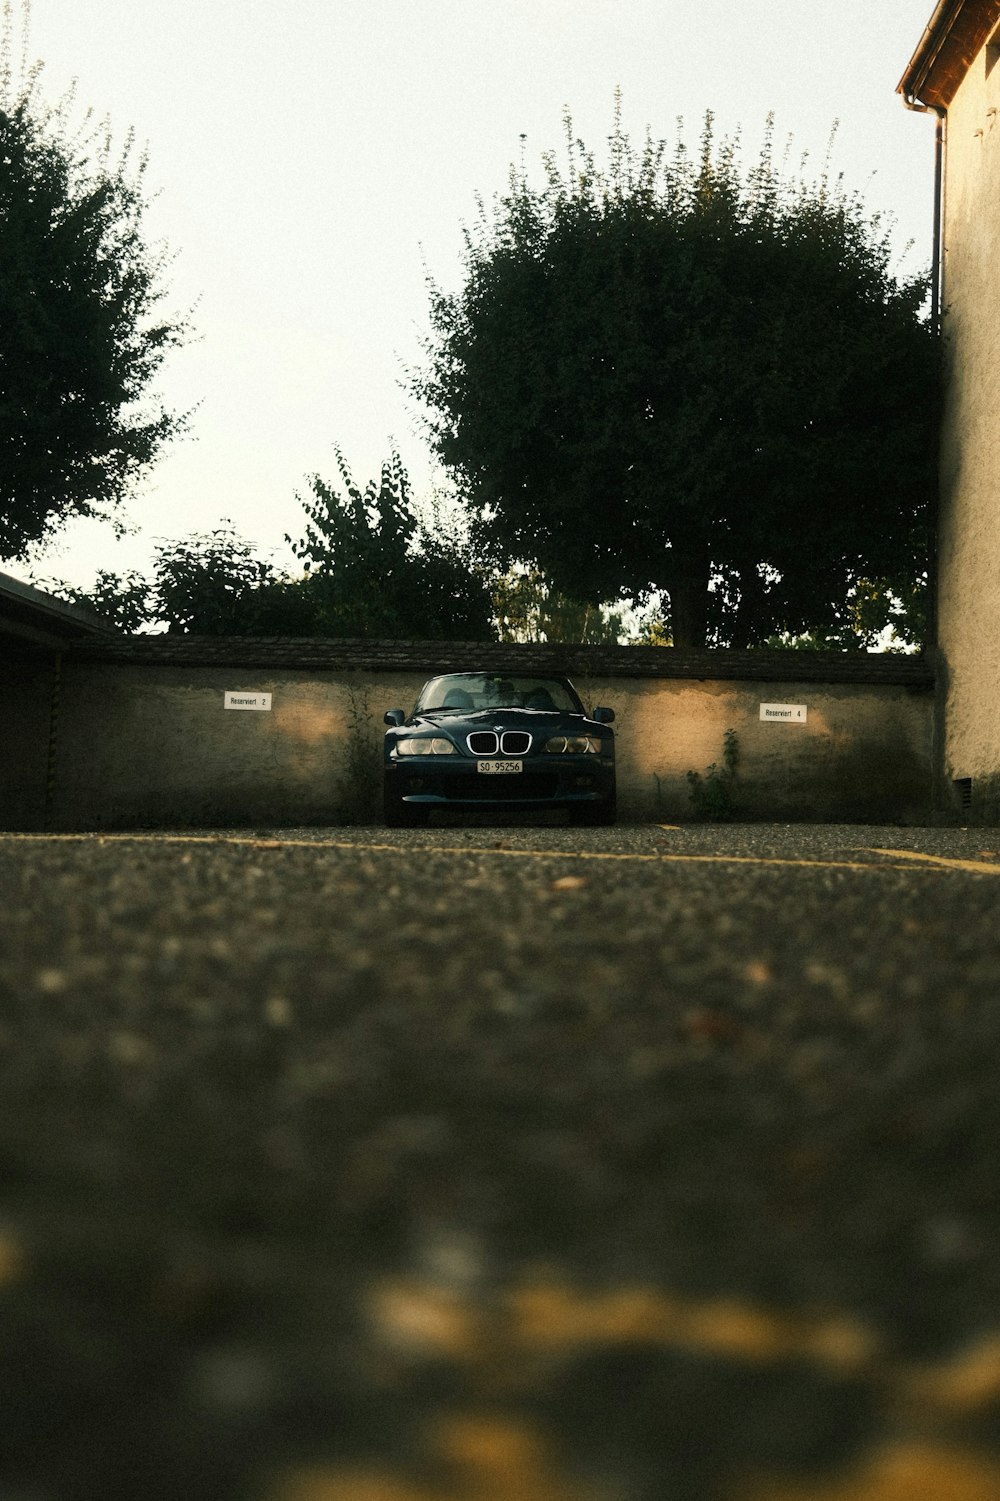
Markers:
500,1164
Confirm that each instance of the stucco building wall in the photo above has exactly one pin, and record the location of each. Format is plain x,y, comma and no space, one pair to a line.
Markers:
969,539
149,744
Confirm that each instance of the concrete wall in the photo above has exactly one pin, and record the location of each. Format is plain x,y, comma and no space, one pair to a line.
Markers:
969,545
864,752
153,745
27,685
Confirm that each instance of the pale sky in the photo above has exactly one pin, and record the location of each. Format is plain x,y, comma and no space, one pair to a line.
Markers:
310,158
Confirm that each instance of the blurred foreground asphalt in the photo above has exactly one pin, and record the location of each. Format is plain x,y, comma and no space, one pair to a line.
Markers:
501,1164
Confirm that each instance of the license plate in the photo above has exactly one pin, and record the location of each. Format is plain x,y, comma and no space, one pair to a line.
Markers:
499,768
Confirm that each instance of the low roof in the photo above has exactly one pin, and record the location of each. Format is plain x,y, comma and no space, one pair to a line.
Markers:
952,39
31,618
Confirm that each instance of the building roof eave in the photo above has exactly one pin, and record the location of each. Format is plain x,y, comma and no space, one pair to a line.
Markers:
33,618
951,41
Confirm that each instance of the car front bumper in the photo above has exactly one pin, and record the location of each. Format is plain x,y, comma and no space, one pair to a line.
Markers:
552,781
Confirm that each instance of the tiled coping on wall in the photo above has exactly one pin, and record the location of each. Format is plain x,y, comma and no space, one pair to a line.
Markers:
430,657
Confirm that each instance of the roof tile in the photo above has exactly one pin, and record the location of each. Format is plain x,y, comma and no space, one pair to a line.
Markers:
430,657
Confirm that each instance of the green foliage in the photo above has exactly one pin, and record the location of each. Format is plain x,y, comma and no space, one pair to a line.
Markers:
124,600
669,374
654,627
712,795
375,570
361,781
889,616
213,584
370,568
208,584
527,608
82,335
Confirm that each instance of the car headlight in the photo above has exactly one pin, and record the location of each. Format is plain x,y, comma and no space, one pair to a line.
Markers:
424,745
574,745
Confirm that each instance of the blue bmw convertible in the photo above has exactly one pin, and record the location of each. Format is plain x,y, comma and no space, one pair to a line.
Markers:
492,741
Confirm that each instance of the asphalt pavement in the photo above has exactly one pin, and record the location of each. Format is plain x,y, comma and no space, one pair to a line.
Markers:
500,1164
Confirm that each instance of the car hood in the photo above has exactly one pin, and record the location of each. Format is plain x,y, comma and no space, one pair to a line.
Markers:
487,718
461,721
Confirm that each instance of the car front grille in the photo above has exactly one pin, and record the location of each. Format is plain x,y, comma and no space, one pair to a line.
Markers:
489,743
529,785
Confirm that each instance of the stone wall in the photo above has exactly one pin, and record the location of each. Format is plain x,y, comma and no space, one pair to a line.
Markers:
143,738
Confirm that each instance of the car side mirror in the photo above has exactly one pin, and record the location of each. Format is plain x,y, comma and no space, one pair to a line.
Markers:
603,716
394,716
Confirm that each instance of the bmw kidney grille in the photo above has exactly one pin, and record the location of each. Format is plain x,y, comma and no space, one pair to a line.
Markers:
509,743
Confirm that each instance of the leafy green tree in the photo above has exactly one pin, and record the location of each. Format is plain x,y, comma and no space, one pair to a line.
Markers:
668,374
875,614
375,570
125,600
213,584
370,567
82,333
526,608
208,584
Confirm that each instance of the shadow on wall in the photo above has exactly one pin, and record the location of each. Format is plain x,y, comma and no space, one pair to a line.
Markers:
154,749
841,764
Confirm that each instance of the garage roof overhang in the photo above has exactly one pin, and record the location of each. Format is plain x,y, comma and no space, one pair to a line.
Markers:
950,44
30,618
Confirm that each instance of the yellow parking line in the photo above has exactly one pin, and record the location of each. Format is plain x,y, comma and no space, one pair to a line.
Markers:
929,863
977,867
657,858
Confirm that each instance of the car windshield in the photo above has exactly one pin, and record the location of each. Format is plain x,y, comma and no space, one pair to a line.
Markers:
477,690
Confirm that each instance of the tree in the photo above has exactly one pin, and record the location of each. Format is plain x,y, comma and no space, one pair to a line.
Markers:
208,584
123,599
526,608
82,334
371,568
670,376
875,615
375,570
213,584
